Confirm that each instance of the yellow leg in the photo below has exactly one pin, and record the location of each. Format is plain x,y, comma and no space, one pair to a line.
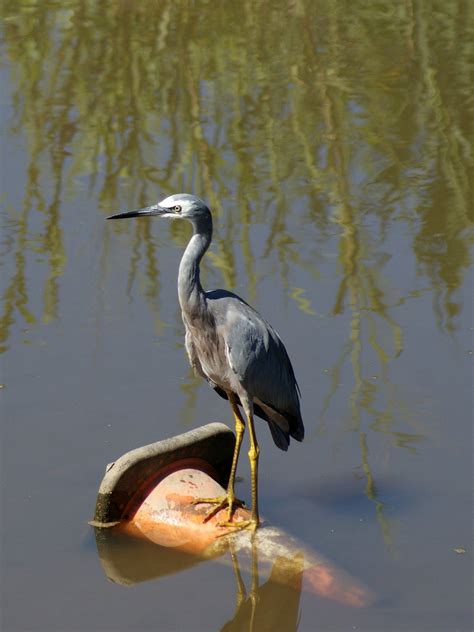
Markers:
239,434
253,457
229,500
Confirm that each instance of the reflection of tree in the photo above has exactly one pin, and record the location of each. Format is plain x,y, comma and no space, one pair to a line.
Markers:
110,113
360,119
50,242
361,292
371,492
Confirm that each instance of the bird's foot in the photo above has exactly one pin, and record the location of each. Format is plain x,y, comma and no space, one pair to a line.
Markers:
221,502
240,524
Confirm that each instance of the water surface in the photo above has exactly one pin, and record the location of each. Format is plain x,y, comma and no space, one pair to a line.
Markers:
333,142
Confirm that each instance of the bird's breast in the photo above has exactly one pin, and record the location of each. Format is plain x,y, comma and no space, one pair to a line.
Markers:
210,351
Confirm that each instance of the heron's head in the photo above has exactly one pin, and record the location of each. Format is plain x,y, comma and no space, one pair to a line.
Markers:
177,206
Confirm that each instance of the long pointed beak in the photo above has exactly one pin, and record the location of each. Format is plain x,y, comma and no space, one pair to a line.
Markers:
147,211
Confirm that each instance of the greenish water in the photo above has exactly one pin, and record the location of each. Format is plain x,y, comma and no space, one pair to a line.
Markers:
333,142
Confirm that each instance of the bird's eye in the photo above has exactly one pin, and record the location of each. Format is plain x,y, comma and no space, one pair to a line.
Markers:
177,209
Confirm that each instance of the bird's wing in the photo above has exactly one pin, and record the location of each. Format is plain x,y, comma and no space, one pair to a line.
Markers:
259,359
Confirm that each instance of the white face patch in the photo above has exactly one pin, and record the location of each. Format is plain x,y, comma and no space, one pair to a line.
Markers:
171,215
170,201
189,204
177,199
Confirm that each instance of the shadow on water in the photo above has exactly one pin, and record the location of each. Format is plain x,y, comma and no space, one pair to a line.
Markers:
300,123
344,495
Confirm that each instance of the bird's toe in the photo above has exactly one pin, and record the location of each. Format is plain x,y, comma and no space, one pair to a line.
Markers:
221,502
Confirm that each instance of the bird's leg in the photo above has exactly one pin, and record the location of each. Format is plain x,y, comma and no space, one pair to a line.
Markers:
239,435
253,457
229,500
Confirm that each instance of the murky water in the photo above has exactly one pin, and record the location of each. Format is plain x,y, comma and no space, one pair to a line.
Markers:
333,142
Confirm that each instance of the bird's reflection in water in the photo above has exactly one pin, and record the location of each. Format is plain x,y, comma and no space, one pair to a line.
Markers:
273,605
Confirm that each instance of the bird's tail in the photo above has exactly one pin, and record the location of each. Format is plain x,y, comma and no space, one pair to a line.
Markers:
280,437
282,425
292,424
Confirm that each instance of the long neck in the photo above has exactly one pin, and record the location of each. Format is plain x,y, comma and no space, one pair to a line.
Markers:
190,292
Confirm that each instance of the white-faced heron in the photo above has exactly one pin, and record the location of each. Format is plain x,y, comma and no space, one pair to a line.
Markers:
229,344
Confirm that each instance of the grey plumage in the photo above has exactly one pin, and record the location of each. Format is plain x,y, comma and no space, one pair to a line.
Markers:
229,344
261,365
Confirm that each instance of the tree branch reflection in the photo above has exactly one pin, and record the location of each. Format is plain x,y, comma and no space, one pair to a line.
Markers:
298,117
